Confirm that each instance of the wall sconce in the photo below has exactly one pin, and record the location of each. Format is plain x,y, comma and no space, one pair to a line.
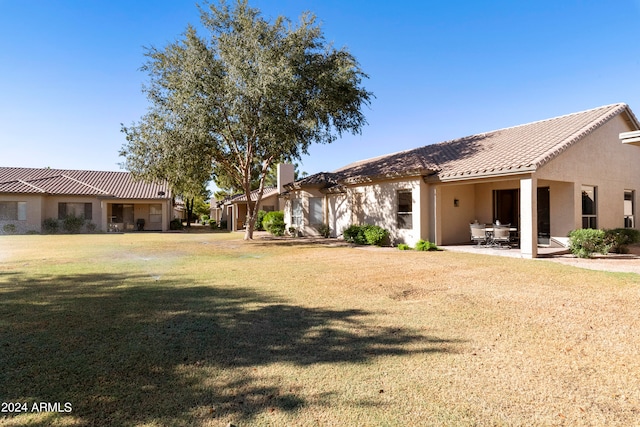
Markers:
456,203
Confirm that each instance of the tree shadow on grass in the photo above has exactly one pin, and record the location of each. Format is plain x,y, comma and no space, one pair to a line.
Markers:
126,349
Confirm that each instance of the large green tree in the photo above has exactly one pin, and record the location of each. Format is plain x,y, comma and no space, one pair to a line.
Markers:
250,94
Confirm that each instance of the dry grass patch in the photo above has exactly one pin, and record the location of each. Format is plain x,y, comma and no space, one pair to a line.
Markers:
199,329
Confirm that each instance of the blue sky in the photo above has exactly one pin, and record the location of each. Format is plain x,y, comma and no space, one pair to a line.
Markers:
69,69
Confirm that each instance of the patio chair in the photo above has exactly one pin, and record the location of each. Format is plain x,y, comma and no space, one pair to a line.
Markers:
501,236
478,233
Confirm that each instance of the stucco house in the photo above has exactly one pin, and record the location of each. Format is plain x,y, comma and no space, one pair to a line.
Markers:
112,201
544,178
233,210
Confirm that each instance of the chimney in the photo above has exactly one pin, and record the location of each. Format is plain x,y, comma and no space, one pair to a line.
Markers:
286,175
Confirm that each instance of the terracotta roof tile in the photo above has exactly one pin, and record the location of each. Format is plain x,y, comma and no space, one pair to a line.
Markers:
268,191
79,182
510,150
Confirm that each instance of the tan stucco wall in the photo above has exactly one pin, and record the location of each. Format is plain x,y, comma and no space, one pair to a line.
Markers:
601,160
380,203
34,207
41,207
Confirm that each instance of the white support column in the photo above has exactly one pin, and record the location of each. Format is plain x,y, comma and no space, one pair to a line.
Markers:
529,217
104,223
436,209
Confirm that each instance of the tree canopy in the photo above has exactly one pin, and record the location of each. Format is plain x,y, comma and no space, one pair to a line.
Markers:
250,94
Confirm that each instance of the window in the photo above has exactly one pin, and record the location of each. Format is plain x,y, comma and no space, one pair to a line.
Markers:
589,207
268,208
296,217
405,209
315,210
155,213
629,208
13,211
79,210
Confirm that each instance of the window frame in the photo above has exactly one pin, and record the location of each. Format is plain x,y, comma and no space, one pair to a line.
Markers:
13,210
316,210
629,214
404,210
87,210
590,218
297,213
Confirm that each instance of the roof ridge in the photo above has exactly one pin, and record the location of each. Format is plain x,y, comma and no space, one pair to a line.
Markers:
581,133
620,104
28,184
85,184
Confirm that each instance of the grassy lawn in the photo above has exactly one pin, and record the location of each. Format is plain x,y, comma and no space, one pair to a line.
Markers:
205,329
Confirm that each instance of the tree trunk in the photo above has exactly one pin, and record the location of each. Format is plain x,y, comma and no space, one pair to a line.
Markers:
250,221
189,211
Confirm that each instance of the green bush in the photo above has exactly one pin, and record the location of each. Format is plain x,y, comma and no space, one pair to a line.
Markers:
260,220
619,238
355,234
50,226
9,228
212,224
72,224
365,235
425,245
175,224
273,222
375,235
584,242
324,230
404,247
91,227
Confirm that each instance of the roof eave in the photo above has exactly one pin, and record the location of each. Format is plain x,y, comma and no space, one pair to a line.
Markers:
361,179
466,176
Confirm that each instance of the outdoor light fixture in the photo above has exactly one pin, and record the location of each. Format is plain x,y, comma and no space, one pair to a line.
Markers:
456,203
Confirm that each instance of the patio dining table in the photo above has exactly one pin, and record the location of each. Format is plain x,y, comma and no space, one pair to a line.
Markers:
489,233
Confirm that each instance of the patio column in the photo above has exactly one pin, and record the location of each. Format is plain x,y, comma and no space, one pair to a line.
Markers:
436,214
528,217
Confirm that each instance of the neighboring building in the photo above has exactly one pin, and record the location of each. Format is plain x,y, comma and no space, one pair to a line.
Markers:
233,210
545,178
111,201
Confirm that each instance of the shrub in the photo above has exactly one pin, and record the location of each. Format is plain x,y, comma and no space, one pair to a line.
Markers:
50,226
273,222
91,227
324,230
425,245
9,228
404,247
204,219
212,224
365,234
619,238
72,224
584,242
355,234
175,224
260,220
375,235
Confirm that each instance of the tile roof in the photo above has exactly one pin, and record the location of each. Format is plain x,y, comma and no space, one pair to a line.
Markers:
79,182
268,191
511,150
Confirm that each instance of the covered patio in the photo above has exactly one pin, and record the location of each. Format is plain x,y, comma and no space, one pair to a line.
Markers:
538,212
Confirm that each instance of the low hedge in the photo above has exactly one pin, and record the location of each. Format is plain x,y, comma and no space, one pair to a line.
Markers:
366,235
584,242
619,238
